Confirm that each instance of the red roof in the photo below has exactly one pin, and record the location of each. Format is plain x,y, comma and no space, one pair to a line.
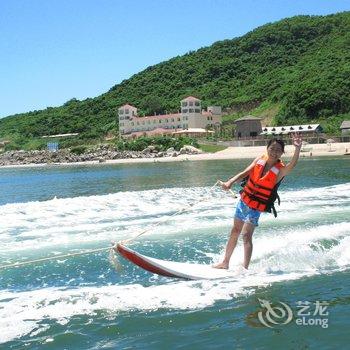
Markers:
191,98
162,116
127,105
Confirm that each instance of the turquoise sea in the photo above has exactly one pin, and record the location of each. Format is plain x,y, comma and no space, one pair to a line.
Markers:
296,294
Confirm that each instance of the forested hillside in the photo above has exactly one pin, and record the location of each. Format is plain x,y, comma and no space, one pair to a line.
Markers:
300,64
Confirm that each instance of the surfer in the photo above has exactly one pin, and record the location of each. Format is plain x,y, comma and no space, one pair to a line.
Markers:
262,176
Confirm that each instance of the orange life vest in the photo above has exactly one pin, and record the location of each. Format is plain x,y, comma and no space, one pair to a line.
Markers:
260,192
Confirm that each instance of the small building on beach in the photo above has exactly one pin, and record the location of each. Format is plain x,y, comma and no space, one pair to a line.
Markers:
345,127
247,127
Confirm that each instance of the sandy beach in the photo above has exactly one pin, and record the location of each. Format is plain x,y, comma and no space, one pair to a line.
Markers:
315,150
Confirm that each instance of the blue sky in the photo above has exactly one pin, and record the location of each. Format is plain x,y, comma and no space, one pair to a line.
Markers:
54,50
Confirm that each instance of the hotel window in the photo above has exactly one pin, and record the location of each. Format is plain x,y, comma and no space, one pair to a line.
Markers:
126,111
121,111
178,119
185,110
172,119
160,121
197,110
191,104
196,103
190,110
184,104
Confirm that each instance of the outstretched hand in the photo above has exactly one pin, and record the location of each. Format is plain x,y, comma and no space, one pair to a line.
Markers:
297,140
225,185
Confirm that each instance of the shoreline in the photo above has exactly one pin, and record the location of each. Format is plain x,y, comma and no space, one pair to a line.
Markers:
316,150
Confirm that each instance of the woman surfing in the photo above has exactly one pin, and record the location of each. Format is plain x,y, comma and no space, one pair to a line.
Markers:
258,195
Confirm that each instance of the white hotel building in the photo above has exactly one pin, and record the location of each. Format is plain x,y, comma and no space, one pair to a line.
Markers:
192,120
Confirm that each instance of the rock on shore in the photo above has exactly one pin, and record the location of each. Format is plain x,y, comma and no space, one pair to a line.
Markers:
100,153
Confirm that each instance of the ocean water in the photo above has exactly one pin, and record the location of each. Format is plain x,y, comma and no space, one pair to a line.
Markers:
300,265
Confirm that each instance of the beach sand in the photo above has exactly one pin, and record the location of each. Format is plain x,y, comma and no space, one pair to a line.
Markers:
314,150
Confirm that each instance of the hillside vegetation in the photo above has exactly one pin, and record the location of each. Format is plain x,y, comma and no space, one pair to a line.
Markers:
297,67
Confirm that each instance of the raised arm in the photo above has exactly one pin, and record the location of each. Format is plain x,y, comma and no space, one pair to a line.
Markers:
297,142
240,176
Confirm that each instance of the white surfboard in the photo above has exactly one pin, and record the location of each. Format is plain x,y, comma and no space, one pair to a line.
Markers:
167,268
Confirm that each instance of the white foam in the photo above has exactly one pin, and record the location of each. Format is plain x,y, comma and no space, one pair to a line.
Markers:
296,250
38,225
24,311
341,253
61,224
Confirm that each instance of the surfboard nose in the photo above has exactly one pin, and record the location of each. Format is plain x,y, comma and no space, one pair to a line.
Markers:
119,248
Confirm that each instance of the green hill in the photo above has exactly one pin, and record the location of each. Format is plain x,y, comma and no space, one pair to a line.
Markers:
300,64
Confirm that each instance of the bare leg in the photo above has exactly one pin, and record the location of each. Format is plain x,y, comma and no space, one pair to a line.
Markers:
231,244
247,232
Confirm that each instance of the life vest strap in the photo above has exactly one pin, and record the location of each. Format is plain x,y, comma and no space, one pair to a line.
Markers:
260,186
255,198
254,192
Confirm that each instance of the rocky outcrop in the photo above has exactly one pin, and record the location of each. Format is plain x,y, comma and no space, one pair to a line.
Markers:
100,154
187,149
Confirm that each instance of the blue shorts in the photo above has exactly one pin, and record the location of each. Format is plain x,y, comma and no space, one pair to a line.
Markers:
246,214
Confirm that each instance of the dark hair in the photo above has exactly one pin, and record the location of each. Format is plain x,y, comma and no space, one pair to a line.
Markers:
274,140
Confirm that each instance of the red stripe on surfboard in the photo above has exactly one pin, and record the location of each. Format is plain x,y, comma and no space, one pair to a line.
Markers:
139,261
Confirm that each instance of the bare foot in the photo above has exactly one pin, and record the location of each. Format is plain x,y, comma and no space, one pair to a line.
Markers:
240,270
221,266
